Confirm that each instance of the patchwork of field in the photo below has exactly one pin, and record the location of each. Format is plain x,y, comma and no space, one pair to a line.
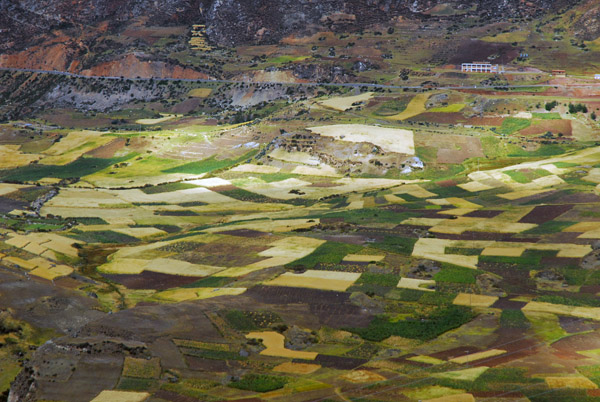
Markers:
456,261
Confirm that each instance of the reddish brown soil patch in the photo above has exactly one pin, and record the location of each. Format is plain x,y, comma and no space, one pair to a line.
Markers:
455,352
566,237
593,392
545,213
580,198
516,344
227,187
573,324
480,50
440,118
245,233
446,183
174,397
222,254
108,150
186,106
590,289
556,127
514,280
485,121
7,205
210,365
560,262
505,303
152,280
483,214
339,363
67,282
575,343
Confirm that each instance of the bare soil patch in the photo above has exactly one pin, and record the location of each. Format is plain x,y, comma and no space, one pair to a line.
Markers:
152,280
108,150
545,213
554,126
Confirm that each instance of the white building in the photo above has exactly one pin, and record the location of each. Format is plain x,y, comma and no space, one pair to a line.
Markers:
480,67
597,76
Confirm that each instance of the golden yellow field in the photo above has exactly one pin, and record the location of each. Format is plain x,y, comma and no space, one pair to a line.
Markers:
165,117
362,376
200,92
477,356
388,139
415,106
325,280
470,374
296,368
74,145
11,157
274,343
570,382
184,294
363,257
426,359
473,300
417,284
121,396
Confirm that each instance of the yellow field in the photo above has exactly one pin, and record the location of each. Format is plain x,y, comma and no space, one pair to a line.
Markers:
503,251
415,106
394,199
389,139
74,145
417,284
468,299
141,233
477,356
160,265
141,368
249,168
475,186
51,273
185,294
7,188
11,157
362,376
470,374
434,391
274,343
507,37
165,117
200,92
570,382
325,280
426,359
415,190
560,309
343,103
121,396
296,368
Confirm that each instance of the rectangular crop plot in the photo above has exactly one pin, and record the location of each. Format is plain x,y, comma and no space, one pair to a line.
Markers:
326,280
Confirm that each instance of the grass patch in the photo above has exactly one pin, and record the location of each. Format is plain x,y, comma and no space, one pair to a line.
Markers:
102,236
210,282
577,300
209,165
259,383
394,244
327,253
546,116
212,354
511,125
135,384
530,259
389,280
455,274
549,227
81,167
423,328
392,107
543,150
463,251
514,319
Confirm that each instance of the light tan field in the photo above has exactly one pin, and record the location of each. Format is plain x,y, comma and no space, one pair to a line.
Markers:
503,251
165,117
343,103
11,157
74,145
415,190
274,343
362,376
477,356
41,242
200,92
322,170
391,198
388,139
470,374
294,157
296,368
417,284
121,396
475,186
161,265
325,280
185,294
560,309
363,257
249,168
7,188
51,273
570,382
468,299
415,107
141,233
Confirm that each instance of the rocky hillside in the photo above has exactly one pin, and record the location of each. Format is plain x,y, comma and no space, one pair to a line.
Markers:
233,22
